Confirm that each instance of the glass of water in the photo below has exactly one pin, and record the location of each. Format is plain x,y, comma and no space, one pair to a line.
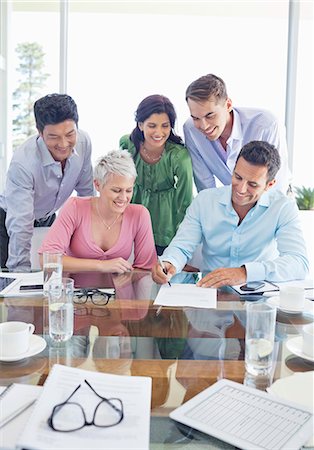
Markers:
60,302
52,267
259,337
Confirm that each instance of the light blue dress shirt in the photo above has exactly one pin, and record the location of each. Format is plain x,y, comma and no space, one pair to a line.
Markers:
269,240
210,160
36,188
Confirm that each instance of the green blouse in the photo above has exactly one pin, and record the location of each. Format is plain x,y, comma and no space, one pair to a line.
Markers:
165,188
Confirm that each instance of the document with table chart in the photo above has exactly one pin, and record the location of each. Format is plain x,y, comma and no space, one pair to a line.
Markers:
247,418
131,433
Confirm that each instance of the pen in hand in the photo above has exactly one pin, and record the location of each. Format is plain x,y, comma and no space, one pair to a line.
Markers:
163,268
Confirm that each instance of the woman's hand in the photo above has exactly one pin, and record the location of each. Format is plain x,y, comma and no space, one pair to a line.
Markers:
116,265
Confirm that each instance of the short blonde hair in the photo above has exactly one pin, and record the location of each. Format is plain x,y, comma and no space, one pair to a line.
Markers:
116,162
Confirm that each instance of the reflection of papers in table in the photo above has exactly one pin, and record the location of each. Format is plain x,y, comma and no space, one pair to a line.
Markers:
186,295
131,433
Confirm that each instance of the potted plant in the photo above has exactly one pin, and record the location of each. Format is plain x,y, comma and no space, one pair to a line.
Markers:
304,197
305,201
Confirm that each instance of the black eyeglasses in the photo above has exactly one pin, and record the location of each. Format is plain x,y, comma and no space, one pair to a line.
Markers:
97,296
70,416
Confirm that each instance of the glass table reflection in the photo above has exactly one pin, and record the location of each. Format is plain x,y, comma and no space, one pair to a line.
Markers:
183,350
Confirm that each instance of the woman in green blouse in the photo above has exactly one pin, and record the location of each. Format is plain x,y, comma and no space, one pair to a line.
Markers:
164,168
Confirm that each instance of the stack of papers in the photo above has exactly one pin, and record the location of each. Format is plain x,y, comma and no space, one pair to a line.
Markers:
21,279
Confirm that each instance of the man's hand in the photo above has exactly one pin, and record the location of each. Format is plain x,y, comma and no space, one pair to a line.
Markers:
159,276
223,277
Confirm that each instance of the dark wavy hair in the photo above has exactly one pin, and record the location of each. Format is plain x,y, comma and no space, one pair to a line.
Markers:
53,109
261,153
154,104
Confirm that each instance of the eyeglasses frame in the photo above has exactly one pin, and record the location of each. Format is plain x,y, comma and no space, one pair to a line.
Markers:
89,293
86,423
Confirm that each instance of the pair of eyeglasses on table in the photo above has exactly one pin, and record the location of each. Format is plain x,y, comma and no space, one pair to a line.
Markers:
96,296
70,416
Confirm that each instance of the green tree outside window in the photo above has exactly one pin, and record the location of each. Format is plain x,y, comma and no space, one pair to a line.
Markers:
31,82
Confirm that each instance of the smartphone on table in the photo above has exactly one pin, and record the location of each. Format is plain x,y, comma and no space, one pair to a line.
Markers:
252,286
32,287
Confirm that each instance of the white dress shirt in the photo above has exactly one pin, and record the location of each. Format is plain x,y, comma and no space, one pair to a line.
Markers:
210,159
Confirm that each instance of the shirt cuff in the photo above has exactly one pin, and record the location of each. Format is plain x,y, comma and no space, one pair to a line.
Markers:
255,271
172,261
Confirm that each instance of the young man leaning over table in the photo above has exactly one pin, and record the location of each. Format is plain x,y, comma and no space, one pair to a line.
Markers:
249,232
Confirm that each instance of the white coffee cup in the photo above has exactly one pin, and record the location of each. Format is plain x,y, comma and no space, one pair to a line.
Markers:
308,340
292,298
15,338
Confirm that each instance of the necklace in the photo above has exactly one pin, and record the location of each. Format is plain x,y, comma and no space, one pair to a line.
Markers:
107,226
146,153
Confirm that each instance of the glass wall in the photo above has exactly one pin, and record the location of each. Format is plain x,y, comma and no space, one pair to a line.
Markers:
35,64
303,160
117,58
120,52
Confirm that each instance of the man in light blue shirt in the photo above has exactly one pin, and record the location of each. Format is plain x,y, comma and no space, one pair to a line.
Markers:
216,132
249,231
43,173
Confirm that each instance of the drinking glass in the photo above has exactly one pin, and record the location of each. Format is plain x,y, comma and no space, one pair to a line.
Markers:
259,337
52,266
60,301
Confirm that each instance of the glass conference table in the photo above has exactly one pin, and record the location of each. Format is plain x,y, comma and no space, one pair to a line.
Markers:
183,350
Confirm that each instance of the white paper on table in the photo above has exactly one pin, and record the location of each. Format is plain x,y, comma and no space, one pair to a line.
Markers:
186,295
22,279
131,433
16,396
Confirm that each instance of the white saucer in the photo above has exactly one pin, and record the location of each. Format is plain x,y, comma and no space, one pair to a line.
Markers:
276,302
294,345
37,345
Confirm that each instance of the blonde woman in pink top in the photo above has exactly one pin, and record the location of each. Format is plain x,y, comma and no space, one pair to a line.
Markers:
99,233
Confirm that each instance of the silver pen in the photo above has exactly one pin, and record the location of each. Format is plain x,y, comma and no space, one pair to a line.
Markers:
9,386
163,268
17,412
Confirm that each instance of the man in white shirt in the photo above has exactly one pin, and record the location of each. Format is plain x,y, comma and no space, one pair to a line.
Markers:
216,132
43,173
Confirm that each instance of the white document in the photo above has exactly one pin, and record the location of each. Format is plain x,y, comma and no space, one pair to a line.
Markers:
131,433
15,397
22,279
186,295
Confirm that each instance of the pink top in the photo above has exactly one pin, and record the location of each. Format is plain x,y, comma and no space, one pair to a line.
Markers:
71,234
